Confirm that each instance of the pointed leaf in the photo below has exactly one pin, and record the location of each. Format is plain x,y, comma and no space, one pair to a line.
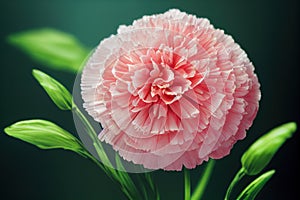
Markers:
54,48
45,135
262,151
56,91
251,191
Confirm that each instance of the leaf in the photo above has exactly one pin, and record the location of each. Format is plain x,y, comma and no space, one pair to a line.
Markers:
56,91
262,151
56,49
251,191
45,135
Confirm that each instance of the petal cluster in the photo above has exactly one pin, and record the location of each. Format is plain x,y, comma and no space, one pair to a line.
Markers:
170,90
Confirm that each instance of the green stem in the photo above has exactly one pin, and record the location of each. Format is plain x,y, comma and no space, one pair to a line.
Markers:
92,158
239,175
93,135
152,186
199,191
123,178
187,185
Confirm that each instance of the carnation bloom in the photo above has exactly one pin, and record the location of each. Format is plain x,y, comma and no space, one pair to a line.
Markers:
170,90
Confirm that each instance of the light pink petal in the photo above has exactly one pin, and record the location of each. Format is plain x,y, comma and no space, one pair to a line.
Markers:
170,91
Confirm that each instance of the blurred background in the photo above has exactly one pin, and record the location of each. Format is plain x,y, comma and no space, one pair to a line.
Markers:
267,30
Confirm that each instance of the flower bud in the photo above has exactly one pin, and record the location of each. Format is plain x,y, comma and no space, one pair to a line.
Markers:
56,91
262,151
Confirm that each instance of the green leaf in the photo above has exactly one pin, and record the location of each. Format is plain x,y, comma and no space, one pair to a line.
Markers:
56,49
251,191
45,135
262,151
56,91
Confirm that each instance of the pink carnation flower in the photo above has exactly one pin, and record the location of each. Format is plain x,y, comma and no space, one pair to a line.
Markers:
170,90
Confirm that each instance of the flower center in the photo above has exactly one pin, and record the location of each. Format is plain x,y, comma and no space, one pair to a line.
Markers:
156,75
163,78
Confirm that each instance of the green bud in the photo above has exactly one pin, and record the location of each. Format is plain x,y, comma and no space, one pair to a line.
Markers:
56,91
262,151
45,135
252,190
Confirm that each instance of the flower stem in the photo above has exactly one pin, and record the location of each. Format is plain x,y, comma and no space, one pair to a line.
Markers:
199,191
93,135
187,185
239,175
127,185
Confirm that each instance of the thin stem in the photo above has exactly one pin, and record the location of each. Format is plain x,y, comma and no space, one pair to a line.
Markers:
92,158
199,191
93,135
153,187
187,185
123,178
239,175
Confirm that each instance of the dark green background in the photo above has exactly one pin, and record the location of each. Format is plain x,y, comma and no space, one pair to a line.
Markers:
268,31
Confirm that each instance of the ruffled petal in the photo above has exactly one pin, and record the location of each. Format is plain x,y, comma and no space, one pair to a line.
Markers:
170,91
